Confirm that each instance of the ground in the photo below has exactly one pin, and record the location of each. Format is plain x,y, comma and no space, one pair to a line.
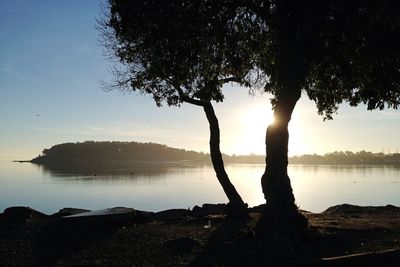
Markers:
29,238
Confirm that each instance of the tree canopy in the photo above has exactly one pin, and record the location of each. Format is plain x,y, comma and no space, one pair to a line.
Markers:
170,48
335,51
353,54
91,152
174,51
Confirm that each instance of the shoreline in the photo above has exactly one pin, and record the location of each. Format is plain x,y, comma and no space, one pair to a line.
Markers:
262,162
208,209
197,237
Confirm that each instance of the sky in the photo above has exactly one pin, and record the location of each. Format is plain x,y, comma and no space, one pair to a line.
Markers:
51,68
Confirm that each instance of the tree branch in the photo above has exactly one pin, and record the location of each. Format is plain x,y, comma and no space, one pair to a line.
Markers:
254,6
185,98
230,79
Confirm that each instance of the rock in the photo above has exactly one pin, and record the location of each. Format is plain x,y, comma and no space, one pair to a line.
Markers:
68,211
391,208
144,216
22,214
172,214
257,209
214,208
347,209
208,209
215,217
181,245
117,214
22,218
343,209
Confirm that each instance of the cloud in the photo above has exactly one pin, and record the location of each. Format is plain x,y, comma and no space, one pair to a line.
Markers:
131,130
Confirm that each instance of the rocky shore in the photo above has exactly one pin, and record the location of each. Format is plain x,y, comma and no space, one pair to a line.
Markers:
343,235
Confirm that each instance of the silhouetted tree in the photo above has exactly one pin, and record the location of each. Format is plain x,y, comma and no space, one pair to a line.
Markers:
174,51
101,153
336,51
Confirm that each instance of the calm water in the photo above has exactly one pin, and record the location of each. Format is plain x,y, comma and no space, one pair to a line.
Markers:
157,187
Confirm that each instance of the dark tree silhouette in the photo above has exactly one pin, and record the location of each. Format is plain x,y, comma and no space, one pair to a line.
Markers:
174,51
335,51
93,153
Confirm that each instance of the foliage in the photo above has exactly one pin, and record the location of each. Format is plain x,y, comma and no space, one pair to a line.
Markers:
348,158
91,152
357,58
96,153
334,50
170,48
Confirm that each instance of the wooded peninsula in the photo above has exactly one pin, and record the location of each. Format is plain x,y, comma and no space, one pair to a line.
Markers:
90,152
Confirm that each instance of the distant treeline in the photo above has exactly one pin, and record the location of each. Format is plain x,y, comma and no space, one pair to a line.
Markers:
348,158
95,153
333,158
98,153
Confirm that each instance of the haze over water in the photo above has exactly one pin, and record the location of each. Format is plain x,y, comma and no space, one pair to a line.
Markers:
165,186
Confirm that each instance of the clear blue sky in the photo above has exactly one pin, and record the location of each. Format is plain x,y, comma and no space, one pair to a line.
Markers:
50,68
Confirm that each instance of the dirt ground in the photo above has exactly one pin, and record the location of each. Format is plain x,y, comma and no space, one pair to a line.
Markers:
29,238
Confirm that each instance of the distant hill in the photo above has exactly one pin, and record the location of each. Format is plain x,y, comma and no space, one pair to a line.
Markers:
95,153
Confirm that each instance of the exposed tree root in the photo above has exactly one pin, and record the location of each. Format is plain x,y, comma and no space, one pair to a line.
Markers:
237,210
282,228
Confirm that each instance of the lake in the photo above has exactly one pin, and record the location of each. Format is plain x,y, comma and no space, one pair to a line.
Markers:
156,187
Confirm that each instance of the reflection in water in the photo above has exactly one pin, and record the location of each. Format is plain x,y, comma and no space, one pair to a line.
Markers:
343,168
319,187
160,186
117,170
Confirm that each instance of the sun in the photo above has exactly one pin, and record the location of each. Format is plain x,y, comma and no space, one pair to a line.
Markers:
255,120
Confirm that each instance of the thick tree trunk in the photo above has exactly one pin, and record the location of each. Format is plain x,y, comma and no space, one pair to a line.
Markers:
236,206
281,220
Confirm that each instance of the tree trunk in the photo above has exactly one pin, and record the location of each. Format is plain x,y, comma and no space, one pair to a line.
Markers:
236,206
280,221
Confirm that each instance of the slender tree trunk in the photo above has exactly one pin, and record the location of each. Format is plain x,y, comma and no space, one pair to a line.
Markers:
236,206
281,220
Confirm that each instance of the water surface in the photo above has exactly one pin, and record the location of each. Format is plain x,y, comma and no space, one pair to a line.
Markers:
156,187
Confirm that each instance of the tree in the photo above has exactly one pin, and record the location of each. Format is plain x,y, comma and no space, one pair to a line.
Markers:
174,51
335,51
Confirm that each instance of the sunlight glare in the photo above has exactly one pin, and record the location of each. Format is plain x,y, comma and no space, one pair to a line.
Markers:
255,121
